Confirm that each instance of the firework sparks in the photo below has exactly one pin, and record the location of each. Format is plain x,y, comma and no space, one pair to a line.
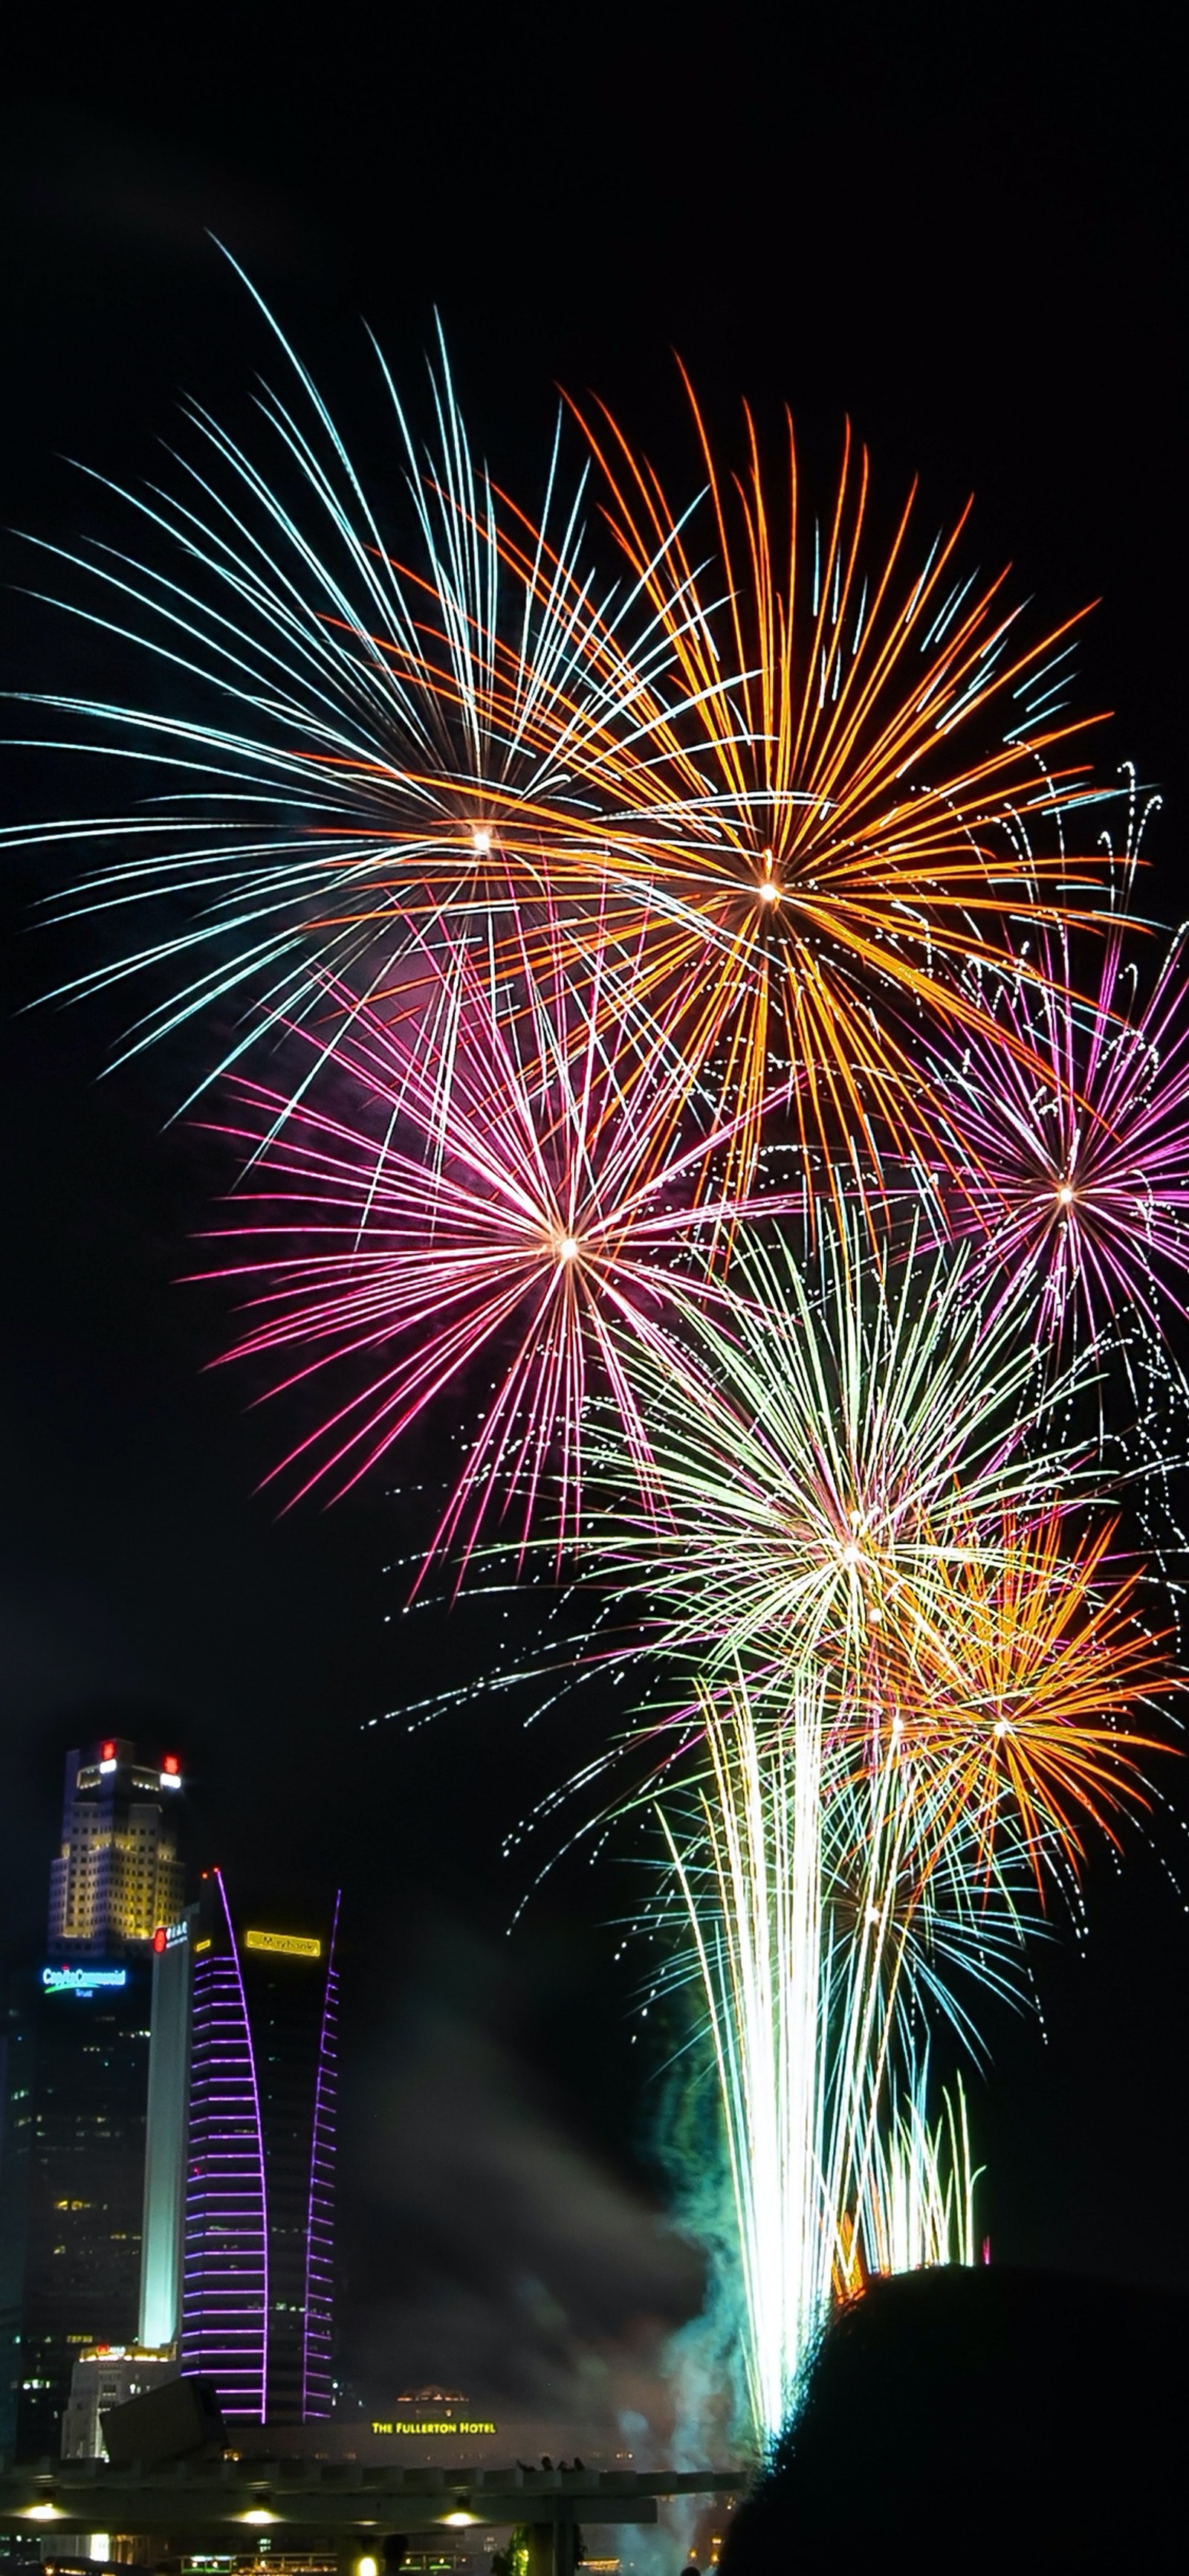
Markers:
834,2170
546,1210
862,743
387,743
847,1846
1028,1667
921,1673
920,2206
869,1420
1074,1164
579,901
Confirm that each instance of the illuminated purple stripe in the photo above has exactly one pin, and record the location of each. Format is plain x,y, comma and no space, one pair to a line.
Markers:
243,2005
316,2323
225,2296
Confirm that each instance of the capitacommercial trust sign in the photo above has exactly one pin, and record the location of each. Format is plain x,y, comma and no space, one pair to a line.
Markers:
82,1981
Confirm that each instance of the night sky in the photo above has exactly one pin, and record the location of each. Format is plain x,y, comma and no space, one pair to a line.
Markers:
975,255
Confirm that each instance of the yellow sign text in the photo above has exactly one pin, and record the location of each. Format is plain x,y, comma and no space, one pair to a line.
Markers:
450,2424
292,1944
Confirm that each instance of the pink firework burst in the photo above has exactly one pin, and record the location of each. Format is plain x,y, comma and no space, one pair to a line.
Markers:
519,1175
1069,1156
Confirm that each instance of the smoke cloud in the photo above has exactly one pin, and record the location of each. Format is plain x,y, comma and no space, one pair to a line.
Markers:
487,2244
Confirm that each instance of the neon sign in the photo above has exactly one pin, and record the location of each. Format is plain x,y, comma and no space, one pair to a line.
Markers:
81,1981
291,1944
451,2424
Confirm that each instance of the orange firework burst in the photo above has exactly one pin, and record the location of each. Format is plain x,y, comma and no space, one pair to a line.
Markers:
1014,1706
840,814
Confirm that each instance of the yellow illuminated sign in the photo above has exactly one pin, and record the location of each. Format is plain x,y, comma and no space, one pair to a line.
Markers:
292,1945
453,2424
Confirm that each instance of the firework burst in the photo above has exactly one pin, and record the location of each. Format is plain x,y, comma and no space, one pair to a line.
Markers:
1028,1665
385,743
545,1226
1066,1153
869,1422
862,739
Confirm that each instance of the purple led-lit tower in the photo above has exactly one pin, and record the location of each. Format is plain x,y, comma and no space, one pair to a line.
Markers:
257,2267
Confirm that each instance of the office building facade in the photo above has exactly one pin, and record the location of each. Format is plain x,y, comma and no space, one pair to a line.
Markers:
257,2267
77,2052
167,2124
164,2207
16,2122
118,1874
85,2025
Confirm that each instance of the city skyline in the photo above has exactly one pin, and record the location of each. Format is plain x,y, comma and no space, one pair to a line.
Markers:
167,2122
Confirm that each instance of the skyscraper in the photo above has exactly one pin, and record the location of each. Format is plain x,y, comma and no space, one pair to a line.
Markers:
165,2139
257,2291
16,2121
86,2028
73,2179
118,1874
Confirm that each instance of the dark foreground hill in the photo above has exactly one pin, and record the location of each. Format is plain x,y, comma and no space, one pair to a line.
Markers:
984,2419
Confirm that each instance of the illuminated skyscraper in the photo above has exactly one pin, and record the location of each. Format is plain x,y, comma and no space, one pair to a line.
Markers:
84,2034
16,2121
72,2171
257,2288
118,1874
165,2138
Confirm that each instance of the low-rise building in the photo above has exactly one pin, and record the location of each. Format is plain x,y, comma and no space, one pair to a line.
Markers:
105,2377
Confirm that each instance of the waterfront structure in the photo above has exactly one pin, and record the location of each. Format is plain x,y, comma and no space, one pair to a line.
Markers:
447,2439
257,2288
310,2503
118,1874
